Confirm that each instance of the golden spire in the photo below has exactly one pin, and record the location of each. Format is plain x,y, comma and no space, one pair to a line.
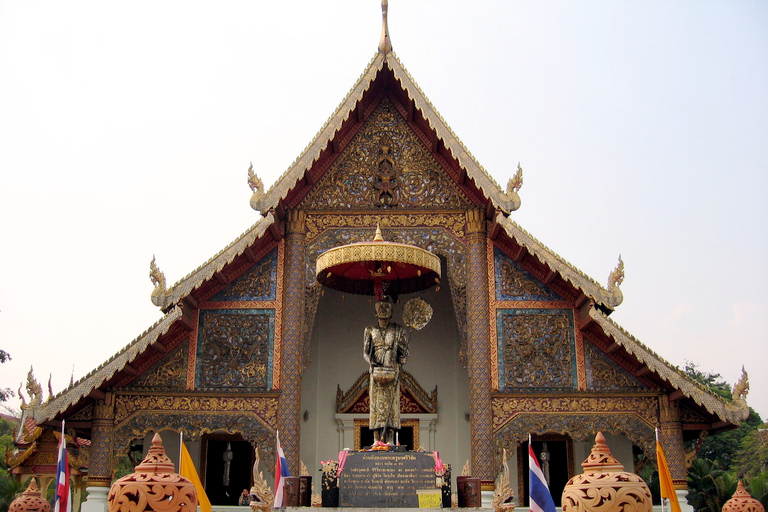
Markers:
385,45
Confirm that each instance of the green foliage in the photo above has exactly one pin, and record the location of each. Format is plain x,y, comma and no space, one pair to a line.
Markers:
6,393
752,457
714,381
651,477
10,488
123,467
724,446
758,488
709,486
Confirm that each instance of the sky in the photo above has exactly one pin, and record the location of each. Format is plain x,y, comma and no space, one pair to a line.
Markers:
127,128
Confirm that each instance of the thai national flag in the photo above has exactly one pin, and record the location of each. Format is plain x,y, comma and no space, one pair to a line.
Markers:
62,502
281,471
538,490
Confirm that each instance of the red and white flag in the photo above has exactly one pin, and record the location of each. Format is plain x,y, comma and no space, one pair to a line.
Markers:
63,499
281,471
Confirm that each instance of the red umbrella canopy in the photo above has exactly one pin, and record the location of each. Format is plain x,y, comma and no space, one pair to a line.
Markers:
378,268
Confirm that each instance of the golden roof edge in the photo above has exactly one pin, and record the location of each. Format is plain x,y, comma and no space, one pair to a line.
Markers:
554,261
201,274
311,153
80,389
697,392
483,180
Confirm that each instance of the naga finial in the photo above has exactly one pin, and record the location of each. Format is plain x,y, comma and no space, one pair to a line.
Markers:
616,277
613,297
740,392
385,45
513,186
257,187
516,181
741,388
34,390
261,491
160,292
503,496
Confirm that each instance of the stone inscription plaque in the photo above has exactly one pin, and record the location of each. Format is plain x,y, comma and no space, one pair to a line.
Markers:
385,479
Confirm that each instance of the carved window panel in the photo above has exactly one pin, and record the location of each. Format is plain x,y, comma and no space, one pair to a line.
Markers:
536,350
235,350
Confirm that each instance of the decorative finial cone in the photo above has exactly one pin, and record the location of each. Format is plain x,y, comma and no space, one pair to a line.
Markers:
605,486
385,45
378,237
742,501
153,487
30,500
601,459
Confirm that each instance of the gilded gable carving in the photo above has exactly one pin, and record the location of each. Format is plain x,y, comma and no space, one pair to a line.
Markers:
235,349
385,166
258,283
170,373
536,349
513,282
605,375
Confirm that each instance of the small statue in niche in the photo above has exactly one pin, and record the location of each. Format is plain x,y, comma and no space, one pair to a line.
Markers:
385,179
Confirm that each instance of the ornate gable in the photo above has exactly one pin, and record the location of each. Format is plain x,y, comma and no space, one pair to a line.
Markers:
168,374
257,283
513,282
385,166
603,374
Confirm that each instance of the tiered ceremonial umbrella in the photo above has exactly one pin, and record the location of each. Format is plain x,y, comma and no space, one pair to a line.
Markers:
378,268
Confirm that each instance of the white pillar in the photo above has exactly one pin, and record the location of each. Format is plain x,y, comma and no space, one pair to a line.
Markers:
682,499
96,501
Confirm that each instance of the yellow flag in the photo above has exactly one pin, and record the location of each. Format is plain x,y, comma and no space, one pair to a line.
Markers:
665,479
187,470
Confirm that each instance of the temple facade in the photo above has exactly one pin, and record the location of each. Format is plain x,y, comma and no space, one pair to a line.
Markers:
521,343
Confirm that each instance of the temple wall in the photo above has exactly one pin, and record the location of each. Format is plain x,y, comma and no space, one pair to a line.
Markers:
337,360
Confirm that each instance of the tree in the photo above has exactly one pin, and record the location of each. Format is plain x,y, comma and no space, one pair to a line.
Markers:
709,487
722,447
10,487
5,394
752,457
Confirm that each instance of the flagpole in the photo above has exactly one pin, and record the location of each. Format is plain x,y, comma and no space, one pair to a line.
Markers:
181,444
658,442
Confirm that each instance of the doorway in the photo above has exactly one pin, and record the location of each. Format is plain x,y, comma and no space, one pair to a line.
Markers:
557,451
223,484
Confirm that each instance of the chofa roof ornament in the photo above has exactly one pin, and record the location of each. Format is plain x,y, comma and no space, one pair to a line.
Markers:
161,294
513,187
612,297
385,44
740,392
257,187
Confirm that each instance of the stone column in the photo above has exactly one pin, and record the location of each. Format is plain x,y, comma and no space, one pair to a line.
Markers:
671,438
478,350
289,405
100,463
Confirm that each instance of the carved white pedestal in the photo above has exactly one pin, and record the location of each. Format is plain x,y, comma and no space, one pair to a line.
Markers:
96,501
